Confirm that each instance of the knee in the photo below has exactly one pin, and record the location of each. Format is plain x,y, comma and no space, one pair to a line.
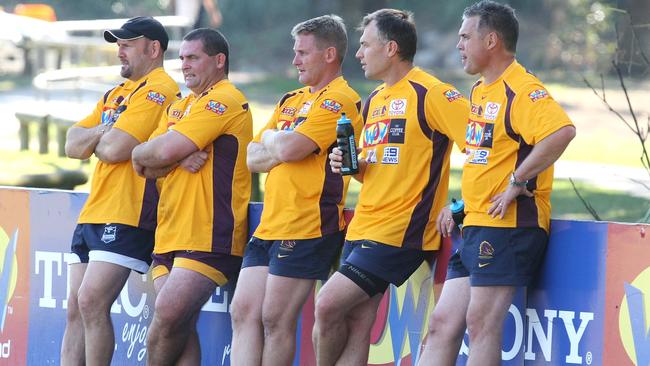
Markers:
244,312
327,312
73,313
88,304
271,323
278,321
167,317
446,325
476,325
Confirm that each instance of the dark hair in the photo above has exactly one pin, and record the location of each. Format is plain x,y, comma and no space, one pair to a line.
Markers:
213,43
395,25
497,17
329,31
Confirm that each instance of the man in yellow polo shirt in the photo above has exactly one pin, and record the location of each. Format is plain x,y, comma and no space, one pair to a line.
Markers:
301,229
411,122
515,132
115,231
202,214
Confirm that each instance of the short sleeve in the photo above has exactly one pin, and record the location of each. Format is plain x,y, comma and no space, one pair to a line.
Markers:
209,118
447,111
143,111
320,124
536,115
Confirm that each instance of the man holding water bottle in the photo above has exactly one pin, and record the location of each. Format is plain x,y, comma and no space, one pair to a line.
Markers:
301,229
411,121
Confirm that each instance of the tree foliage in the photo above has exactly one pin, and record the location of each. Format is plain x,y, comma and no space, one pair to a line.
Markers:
567,35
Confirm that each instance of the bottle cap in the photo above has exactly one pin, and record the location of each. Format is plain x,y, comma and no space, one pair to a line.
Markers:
457,205
343,120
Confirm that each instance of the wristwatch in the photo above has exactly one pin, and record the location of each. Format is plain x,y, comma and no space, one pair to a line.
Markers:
514,182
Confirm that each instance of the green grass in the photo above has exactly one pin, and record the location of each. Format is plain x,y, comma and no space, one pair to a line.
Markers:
610,205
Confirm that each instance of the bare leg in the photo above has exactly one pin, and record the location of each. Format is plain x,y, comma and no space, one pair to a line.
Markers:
191,355
73,351
282,304
359,321
333,305
447,324
487,310
100,287
246,315
178,302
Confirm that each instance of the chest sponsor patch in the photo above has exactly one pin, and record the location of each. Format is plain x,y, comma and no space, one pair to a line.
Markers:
391,155
397,107
371,156
376,133
477,156
477,109
492,110
289,125
397,131
331,105
216,107
107,115
378,112
176,113
452,94
305,108
538,94
288,111
479,134
156,97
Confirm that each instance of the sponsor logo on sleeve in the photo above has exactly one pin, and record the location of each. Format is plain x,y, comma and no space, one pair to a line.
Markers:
216,107
397,107
452,94
396,131
331,105
538,94
391,155
156,97
492,110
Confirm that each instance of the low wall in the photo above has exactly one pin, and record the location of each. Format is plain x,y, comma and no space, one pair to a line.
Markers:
590,306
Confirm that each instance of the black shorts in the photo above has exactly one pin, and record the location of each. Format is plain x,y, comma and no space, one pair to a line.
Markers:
119,244
304,258
493,256
392,264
